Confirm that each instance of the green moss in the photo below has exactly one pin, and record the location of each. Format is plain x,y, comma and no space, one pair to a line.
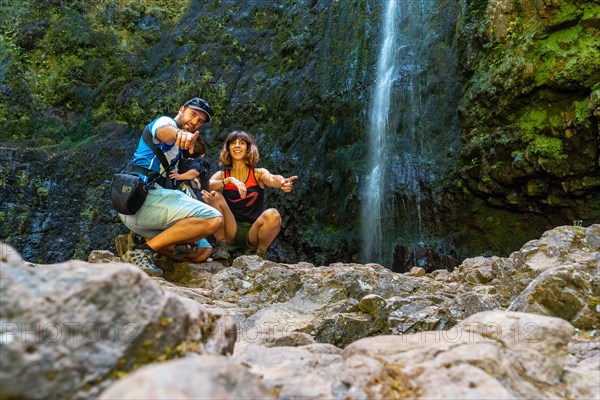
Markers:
582,60
567,12
593,302
23,217
533,120
75,61
547,147
591,12
146,355
568,55
88,214
582,113
22,180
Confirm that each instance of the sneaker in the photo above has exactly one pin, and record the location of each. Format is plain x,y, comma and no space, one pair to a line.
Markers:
142,259
261,253
221,251
136,239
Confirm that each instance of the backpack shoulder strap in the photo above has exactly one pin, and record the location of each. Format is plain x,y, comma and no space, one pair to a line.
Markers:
161,156
165,181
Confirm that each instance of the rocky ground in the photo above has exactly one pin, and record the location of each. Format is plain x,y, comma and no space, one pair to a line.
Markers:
525,326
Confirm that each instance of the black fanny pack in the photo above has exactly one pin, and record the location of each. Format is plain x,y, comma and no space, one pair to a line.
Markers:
128,190
128,193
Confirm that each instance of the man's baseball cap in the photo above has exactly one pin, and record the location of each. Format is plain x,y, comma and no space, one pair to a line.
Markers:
199,104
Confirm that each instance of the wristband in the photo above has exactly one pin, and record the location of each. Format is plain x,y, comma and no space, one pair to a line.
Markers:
223,182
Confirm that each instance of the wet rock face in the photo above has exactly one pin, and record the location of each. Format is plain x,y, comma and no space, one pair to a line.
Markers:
299,75
55,202
284,72
530,121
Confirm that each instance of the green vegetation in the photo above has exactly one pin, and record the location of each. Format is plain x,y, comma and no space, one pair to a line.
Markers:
62,64
298,75
582,113
548,147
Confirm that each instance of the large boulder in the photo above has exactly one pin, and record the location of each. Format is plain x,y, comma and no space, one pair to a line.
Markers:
555,275
571,292
200,377
69,329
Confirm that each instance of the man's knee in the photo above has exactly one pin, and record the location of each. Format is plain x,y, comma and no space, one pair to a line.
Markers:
213,224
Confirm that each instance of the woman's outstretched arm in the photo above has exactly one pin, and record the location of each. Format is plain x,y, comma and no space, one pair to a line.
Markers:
276,181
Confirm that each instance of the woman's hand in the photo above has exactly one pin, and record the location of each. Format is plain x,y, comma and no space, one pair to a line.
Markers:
287,184
241,187
174,175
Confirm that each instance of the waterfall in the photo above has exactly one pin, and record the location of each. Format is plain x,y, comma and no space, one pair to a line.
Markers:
372,210
413,125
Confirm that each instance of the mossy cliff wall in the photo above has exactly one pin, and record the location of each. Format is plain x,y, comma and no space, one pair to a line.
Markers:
529,118
297,75
78,79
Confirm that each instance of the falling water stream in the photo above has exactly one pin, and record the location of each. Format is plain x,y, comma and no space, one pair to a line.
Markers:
413,125
379,126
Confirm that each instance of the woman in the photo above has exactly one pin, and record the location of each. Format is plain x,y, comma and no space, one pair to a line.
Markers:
247,224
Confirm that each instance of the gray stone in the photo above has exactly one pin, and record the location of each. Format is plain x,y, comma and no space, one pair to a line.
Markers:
489,355
200,377
417,271
297,372
566,292
102,256
374,305
293,320
71,328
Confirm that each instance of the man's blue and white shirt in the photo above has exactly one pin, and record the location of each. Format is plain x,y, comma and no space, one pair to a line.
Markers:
145,157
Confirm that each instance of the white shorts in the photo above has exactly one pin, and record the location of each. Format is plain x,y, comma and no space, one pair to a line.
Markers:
163,208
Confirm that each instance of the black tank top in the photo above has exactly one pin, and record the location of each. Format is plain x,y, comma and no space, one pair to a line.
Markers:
250,207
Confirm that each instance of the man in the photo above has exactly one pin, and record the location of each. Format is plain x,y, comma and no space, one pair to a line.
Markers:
173,223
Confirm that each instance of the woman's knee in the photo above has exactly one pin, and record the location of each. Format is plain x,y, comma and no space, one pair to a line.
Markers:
218,196
272,216
219,201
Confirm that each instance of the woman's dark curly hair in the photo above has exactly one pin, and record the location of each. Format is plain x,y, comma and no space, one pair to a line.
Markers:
252,155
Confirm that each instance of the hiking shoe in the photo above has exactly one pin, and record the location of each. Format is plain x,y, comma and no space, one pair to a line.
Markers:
142,259
221,251
136,239
261,253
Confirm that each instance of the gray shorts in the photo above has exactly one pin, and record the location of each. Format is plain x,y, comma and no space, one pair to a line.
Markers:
164,207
